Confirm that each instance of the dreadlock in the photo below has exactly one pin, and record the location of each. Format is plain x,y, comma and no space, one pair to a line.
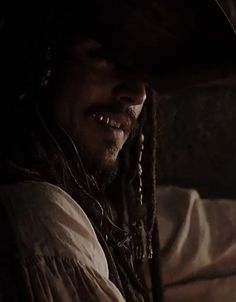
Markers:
129,209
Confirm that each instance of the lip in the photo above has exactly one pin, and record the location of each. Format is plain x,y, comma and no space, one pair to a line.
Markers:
118,121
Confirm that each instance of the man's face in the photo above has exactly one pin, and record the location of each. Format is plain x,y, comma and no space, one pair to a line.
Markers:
97,104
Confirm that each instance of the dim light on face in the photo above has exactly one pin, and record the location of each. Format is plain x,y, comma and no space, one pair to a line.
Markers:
97,105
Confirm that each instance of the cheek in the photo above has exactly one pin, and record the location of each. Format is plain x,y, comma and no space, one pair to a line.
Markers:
84,93
72,100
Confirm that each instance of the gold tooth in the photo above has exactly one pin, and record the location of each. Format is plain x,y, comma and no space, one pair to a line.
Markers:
115,124
112,123
107,120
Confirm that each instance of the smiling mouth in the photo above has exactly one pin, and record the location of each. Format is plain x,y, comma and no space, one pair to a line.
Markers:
115,121
107,121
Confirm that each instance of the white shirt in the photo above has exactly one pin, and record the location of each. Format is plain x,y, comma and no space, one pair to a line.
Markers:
62,259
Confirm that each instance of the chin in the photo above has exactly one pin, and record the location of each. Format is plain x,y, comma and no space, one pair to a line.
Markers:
101,163
105,171
106,167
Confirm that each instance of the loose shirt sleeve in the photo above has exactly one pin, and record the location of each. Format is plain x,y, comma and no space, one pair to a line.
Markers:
58,255
198,243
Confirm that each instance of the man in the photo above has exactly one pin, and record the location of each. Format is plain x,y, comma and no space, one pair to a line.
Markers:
78,209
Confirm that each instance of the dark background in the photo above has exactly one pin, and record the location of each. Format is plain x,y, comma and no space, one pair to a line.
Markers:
197,123
197,145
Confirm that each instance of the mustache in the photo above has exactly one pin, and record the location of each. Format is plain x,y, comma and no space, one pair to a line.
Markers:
113,108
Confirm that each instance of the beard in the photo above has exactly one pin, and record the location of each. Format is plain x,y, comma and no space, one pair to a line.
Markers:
103,166
105,176
103,171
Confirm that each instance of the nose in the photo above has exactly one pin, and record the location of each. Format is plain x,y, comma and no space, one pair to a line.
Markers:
131,92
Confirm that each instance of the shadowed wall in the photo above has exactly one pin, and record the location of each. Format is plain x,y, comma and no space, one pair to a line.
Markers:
197,143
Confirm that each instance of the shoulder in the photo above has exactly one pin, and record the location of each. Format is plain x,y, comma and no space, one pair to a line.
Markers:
198,239
175,201
58,253
47,221
174,208
184,211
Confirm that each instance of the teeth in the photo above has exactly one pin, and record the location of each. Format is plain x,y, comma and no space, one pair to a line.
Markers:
107,121
114,124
